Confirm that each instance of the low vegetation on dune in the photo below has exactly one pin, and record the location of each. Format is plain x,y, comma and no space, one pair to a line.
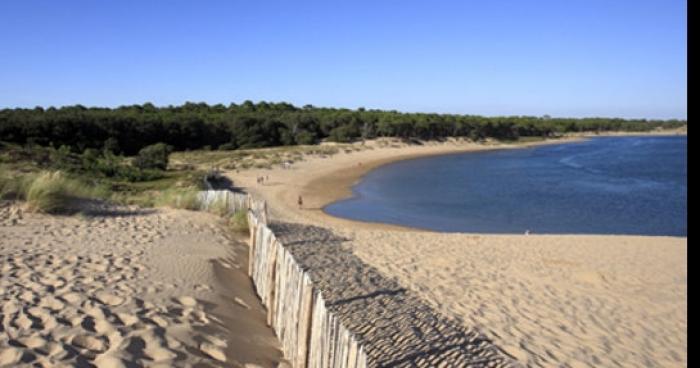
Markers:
238,222
182,198
49,191
261,158
150,156
48,178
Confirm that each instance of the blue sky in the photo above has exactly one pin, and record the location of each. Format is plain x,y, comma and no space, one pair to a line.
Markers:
623,58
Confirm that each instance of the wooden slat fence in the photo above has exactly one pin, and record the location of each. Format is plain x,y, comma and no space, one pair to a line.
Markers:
311,336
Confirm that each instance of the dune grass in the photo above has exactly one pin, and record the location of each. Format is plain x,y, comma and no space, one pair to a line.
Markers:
15,187
49,191
238,222
182,198
21,165
219,207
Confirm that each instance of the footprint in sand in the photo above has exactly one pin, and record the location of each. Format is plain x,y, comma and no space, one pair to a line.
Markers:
10,356
51,303
73,298
104,327
88,342
27,296
93,311
160,321
109,361
160,354
34,341
187,301
23,322
48,321
213,351
10,307
202,287
108,298
127,319
200,316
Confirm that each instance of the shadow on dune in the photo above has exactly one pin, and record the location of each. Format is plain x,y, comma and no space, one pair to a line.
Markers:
97,208
397,328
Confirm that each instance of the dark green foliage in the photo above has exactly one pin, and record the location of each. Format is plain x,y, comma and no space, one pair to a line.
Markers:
111,145
304,137
227,147
128,129
152,157
344,133
91,163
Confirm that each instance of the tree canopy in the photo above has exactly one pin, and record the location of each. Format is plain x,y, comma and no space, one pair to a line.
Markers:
128,129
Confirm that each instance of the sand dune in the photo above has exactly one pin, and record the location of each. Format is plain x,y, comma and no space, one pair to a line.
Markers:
125,288
551,301
128,287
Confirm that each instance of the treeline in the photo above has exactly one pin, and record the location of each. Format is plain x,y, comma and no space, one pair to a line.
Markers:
127,129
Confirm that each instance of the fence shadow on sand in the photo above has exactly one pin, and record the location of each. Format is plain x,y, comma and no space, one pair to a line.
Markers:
395,327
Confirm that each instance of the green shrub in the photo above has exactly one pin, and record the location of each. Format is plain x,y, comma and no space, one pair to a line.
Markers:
227,147
89,158
63,159
112,167
111,146
154,156
239,222
305,137
344,133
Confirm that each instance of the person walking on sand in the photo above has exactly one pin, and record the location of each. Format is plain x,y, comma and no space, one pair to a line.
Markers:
300,202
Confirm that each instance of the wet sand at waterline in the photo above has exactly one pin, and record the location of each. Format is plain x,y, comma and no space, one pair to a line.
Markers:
548,300
127,287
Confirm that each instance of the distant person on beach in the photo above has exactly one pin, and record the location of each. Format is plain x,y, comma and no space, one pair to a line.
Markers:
300,202
527,232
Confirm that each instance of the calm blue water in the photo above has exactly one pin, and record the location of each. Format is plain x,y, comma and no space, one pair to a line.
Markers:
627,185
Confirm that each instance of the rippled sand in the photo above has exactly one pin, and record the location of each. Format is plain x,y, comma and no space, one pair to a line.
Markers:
128,287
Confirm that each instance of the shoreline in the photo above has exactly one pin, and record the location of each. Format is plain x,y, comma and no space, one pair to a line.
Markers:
344,179
546,299
329,180
351,177
333,184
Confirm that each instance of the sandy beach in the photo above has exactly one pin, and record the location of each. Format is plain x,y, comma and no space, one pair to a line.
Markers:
127,287
123,286
548,300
